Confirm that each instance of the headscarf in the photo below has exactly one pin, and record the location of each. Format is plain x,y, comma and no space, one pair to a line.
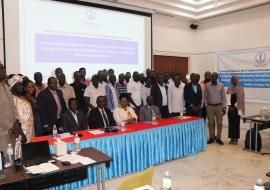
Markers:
15,79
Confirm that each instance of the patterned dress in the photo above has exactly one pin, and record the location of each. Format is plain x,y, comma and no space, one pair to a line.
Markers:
25,115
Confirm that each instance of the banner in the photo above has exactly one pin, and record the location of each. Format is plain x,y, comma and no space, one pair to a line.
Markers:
253,70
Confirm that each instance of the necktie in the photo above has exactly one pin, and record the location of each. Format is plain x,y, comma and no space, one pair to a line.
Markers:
57,101
105,118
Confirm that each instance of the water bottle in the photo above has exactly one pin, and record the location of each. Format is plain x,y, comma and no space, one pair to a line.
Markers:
154,118
76,147
54,131
181,115
259,185
9,160
167,181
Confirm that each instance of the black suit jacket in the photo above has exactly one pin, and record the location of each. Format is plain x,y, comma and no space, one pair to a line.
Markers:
69,124
95,118
157,96
192,98
48,107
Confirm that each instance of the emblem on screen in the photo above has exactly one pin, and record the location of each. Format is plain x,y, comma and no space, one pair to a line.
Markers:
91,14
260,59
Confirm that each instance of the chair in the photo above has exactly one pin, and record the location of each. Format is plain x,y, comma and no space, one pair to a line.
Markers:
137,180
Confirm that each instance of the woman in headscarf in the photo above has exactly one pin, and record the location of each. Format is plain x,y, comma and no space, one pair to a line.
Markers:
25,114
236,109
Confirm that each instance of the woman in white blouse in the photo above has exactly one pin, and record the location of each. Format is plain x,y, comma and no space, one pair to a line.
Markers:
124,114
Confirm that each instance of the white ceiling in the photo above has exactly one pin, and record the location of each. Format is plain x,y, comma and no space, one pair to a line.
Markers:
192,9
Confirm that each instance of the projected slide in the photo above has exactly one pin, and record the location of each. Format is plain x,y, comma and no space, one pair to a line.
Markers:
56,34
73,49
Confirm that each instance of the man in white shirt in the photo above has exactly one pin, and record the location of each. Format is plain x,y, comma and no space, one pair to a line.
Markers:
94,90
134,91
146,90
176,97
67,90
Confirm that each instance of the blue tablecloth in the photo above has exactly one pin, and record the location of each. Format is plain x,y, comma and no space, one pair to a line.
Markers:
133,152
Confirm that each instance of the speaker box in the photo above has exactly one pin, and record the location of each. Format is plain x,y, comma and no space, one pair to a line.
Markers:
193,26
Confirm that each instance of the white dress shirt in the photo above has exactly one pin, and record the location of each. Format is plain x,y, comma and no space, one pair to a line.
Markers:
176,98
164,95
170,81
120,115
93,92
145,93
135,89
74,116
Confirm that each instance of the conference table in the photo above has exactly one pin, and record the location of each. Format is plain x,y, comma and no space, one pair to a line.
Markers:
139,145
21,180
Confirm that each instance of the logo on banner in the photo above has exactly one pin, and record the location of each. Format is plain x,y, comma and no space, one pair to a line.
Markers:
91,14
260,59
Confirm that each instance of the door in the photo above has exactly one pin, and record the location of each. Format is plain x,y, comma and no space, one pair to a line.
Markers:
170,63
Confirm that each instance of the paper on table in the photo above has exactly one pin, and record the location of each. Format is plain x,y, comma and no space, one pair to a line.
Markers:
74,159
48,167
42,168
65,135
35,169
96,132
69,158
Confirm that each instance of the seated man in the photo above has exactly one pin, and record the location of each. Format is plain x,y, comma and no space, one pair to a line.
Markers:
148,111
101,117
124,114
73,119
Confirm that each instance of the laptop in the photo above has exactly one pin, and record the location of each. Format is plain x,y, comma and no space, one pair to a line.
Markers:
35,153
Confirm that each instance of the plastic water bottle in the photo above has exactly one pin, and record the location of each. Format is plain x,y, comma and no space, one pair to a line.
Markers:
259,185
76,147
154,118
181,115
9,160
54,131
167,182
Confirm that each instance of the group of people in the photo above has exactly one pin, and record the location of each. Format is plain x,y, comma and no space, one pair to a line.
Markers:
32,108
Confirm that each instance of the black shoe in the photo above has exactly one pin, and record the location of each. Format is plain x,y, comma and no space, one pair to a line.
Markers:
210,141
219,142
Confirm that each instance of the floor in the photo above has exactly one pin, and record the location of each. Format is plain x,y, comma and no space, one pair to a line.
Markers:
226,167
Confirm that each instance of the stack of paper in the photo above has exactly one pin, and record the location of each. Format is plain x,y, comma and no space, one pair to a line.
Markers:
65,135
75,158
96,132
42,168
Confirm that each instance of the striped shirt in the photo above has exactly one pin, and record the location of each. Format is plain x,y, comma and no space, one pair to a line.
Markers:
122,89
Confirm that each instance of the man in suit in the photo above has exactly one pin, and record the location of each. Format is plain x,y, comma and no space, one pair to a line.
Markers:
193,96
51,105
101,117
73,119
148,111
159,94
